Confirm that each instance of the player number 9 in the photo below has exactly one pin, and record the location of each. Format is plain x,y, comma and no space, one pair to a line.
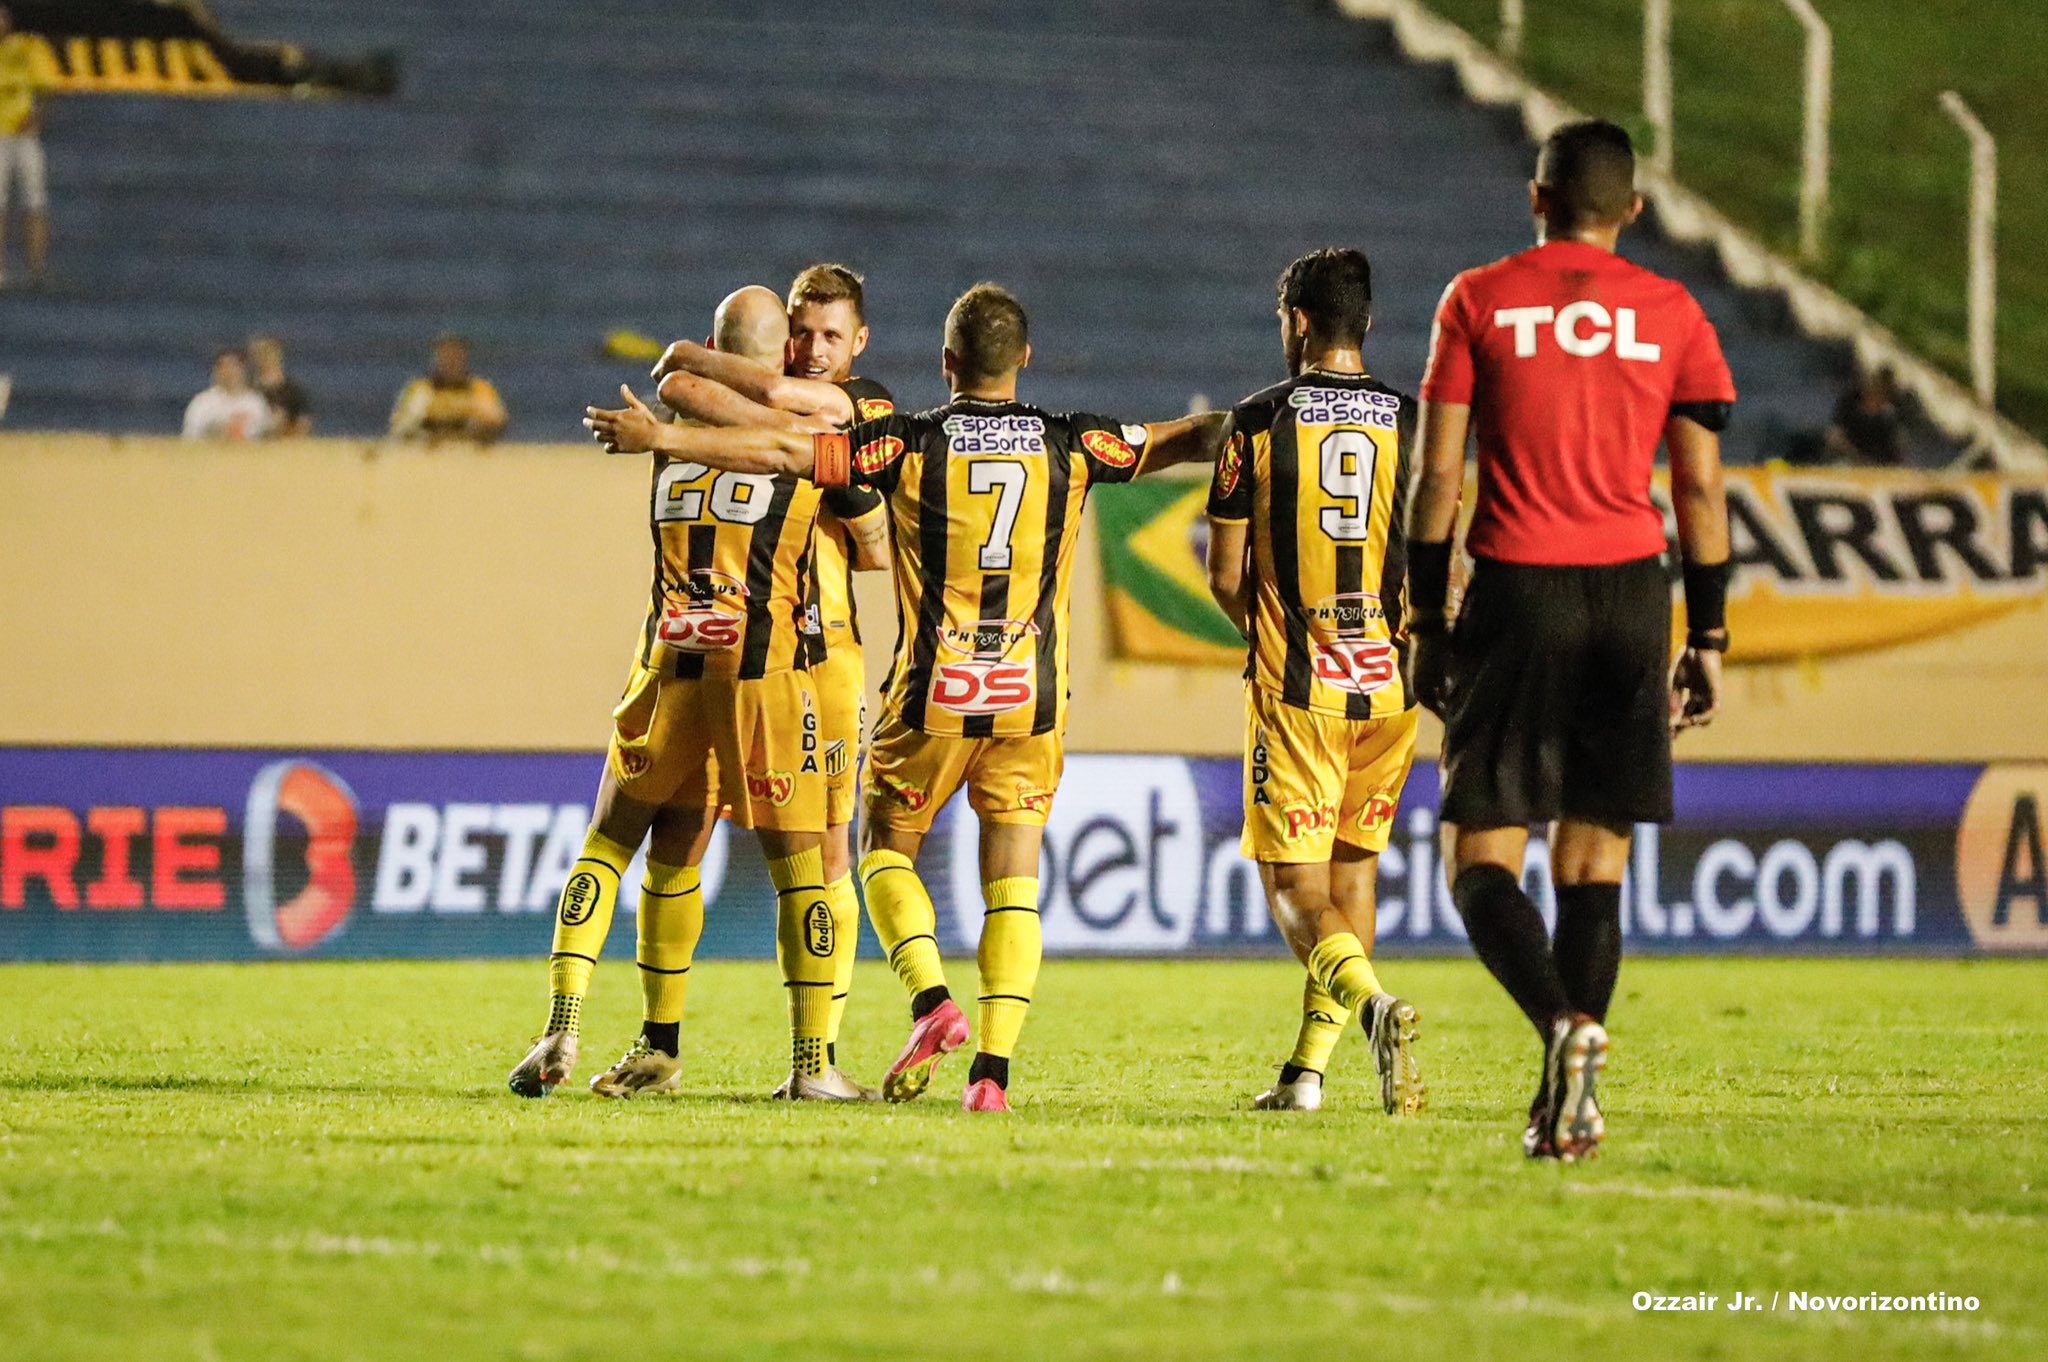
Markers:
1349,459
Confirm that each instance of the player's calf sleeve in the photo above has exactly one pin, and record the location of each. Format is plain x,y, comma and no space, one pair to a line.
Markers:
804,935
845,946
1508,937
671,924
1587,947
1323,1019
1339,963
583,919
1012,944
905,922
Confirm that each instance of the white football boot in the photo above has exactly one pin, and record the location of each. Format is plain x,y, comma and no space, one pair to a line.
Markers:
546,1066
1303,1094
643,1069
830,1086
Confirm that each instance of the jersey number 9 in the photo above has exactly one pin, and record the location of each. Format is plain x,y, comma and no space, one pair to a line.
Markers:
1349,460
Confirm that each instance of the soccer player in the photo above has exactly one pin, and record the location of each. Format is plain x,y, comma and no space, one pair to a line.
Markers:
827,333
1307,558
1556,690
718,713
985,497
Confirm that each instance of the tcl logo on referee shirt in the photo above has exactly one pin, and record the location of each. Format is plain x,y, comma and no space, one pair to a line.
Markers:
1583,329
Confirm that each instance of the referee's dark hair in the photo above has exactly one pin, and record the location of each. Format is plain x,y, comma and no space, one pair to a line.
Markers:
1334,287
1587,172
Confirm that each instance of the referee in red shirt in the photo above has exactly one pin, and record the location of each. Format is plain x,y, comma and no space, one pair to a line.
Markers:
1555,685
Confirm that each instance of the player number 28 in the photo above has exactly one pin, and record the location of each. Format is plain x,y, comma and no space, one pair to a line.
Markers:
1349,459
736,498
1006,480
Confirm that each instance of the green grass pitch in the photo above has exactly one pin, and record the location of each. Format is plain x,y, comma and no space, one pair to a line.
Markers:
321,1161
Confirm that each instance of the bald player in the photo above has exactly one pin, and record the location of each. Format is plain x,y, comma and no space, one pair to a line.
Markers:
718,715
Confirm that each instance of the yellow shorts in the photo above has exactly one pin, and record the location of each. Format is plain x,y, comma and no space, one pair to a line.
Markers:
1313,780
911,775
749,747
841,681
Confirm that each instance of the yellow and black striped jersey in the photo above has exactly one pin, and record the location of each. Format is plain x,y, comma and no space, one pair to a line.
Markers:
735,572
837,611
1318,465
985,502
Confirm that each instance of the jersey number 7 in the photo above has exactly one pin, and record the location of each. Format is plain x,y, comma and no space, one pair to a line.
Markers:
1006,480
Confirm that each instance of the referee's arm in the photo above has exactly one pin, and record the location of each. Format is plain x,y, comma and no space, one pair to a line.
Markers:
1432,522
1699,503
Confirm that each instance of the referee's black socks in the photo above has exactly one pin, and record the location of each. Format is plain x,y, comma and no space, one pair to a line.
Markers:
1507,934
1588,945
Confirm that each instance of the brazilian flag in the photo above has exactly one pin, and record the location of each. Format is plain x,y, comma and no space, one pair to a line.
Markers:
1154,537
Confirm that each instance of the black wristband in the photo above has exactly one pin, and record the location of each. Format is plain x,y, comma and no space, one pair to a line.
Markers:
1706,596
1429,583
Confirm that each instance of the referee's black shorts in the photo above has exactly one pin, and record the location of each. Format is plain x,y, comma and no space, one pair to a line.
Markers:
1559,696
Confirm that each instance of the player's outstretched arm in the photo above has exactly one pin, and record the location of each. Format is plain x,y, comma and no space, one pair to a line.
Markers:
633,429
1229,579
711,403
758,383
1190,439
1699,503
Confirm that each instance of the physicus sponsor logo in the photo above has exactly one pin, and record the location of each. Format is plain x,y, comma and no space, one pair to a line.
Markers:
2002,859
1015,435
878,454
874,408
1109,447
1320,406
987,638
1347,613
777,787
325,808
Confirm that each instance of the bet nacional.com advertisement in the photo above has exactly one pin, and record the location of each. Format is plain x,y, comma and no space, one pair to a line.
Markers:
137,854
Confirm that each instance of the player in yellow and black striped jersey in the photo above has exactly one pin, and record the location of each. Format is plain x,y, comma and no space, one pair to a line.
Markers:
985,497
828,332
719,715
1307,557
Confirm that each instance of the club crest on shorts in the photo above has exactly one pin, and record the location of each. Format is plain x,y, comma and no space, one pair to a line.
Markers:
819,933
579,898
835,759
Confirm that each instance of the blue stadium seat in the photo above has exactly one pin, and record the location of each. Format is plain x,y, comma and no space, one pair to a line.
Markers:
1138,171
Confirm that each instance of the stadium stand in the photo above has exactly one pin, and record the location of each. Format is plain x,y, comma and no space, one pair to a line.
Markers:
1138,171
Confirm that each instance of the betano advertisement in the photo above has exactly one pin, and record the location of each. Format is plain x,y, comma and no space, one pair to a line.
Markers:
123,854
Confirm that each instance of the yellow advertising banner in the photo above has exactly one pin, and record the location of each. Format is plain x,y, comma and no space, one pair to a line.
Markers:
1827,562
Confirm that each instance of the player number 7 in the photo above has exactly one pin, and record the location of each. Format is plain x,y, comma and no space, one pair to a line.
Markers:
1006,480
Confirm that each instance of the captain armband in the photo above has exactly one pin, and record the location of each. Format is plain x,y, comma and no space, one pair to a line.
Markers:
831,459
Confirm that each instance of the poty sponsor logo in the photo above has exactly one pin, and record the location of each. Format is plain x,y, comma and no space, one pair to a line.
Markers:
1305,819
1318,406
1013,435
1376,812
777,787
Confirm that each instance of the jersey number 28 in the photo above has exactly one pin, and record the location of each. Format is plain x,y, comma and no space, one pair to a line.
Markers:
736,498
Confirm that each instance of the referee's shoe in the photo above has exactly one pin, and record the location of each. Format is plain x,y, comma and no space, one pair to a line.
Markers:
1565,1121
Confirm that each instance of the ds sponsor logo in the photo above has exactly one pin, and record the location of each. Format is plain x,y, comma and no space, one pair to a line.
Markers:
981,686
1356,665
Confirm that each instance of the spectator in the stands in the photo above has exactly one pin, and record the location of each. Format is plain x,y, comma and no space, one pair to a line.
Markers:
1868,426
450,403
21,148
230,409
290,413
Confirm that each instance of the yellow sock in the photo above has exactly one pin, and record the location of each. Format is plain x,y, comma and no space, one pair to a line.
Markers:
1322,1024
1339,964
905,922
845,945
804,940
671,924
1011,947
583,919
